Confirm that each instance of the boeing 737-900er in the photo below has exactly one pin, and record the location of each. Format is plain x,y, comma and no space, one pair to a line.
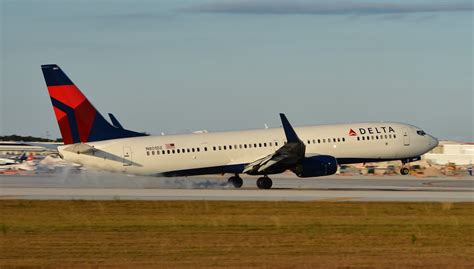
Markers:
310,151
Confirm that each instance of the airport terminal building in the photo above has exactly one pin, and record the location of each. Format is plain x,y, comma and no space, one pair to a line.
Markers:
454,152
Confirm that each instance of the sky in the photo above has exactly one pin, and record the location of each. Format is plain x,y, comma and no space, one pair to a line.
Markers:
182,66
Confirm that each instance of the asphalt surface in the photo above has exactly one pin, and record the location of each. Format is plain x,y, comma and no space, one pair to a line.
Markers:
84,185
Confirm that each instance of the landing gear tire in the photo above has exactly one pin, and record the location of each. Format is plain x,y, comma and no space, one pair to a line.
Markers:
264,183
404,171
235,181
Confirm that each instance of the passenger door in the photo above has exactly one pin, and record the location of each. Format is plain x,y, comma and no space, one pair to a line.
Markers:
406,137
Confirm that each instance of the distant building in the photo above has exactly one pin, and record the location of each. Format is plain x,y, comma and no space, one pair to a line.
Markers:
16,148
451,152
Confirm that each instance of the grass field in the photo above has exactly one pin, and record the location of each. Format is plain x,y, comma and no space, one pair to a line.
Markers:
236,234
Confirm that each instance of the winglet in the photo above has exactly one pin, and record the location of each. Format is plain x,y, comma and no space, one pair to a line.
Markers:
290,133
115,122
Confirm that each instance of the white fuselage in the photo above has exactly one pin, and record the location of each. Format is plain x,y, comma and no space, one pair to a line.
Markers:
204,152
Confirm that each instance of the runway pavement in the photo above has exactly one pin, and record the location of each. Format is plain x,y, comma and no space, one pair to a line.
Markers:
105,186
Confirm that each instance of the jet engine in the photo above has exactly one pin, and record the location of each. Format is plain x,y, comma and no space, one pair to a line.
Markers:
316,166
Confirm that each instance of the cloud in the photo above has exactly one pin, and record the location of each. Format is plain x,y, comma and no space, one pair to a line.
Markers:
288,7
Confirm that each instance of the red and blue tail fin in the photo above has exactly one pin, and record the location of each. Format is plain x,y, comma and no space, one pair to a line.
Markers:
78,120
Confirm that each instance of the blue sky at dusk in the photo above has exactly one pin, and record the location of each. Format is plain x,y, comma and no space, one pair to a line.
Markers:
180,66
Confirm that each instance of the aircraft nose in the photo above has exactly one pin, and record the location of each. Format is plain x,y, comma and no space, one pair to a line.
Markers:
433,142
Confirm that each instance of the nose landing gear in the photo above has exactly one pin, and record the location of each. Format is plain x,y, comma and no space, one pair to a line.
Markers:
404,171
264,182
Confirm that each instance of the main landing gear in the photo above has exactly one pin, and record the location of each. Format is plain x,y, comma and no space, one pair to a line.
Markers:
264,182
235,181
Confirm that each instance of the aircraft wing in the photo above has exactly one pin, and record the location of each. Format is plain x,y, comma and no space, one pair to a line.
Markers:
286,156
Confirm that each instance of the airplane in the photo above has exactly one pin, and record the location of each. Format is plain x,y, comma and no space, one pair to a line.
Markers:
16,160
21,162
309,151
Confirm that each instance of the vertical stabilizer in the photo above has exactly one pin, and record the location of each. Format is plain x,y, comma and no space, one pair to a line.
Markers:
77,118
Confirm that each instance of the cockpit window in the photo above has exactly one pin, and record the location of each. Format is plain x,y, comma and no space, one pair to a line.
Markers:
421,132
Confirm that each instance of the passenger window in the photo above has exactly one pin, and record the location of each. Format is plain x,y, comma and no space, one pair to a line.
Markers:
220,148
255,145
309,142
162,152
198,149
358,138
338,140
319,141
276,144
343,139
214,148
390,136
177,150
363,138
250,146
264,144
205,148
240,146
173,151
368,137
245,145
334,140
394,136
372,137
386,137
225,147
168,151
148,153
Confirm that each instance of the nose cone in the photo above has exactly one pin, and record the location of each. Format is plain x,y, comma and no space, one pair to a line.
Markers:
432,142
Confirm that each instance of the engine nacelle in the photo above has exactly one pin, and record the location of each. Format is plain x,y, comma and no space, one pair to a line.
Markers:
316,166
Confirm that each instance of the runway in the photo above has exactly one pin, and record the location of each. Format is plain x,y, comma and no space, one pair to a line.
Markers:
104,186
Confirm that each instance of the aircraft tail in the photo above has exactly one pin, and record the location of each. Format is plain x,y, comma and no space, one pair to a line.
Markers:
22,157
77,118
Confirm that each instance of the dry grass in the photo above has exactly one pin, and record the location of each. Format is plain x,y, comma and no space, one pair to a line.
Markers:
236,234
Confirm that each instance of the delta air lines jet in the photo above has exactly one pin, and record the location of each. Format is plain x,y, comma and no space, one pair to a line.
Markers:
310,151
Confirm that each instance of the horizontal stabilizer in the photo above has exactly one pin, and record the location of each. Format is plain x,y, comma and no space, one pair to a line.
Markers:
80,148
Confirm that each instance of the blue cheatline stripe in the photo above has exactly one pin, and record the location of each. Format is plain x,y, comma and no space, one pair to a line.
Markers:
229,169
238,168
70,116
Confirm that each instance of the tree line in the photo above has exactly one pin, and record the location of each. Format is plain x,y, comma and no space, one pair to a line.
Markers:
27,138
